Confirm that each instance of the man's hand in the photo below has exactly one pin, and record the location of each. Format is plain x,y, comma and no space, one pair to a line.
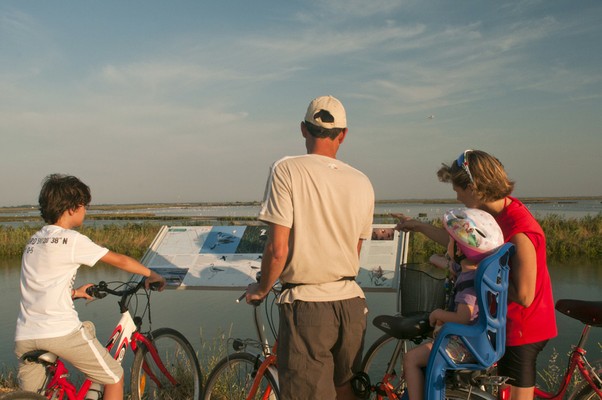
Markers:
255,293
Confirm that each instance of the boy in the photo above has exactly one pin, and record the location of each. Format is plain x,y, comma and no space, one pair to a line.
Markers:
47,318
473,235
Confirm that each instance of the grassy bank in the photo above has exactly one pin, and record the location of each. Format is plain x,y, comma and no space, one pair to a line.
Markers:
573,238
570,238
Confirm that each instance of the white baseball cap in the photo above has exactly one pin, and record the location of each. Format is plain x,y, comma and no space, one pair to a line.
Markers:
327,112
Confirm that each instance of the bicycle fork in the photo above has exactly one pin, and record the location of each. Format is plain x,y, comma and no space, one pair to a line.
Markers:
259,372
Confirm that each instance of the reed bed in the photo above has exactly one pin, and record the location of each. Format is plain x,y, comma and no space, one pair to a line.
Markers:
567,238
131,239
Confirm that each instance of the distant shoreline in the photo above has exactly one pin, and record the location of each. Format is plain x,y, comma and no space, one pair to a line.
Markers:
137,206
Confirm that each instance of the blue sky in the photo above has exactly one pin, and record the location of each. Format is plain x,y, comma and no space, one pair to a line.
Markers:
167,101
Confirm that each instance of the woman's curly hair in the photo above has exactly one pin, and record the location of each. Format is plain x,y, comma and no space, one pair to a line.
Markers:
489,179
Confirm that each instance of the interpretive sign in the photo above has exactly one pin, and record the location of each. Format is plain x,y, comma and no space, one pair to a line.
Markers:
201,257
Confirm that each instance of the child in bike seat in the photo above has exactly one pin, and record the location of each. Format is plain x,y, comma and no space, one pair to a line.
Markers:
474,234
47,317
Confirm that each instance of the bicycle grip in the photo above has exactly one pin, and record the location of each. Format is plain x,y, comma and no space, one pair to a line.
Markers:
94,292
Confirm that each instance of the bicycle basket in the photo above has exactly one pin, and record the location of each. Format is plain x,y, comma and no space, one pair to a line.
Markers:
421,288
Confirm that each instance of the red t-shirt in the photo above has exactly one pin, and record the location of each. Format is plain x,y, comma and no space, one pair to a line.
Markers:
538,321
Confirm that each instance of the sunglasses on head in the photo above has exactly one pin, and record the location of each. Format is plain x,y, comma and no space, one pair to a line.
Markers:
462,162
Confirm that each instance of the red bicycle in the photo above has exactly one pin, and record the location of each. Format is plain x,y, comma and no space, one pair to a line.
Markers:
165,364
245,374
590,387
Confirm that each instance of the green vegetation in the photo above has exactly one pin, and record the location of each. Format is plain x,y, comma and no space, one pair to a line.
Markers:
131,239
567,238
570,238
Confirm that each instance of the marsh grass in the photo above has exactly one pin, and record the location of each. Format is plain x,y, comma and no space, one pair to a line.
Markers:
8,379
566,238
132,238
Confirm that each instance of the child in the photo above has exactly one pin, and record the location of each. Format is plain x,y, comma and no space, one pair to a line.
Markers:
47,318
474,234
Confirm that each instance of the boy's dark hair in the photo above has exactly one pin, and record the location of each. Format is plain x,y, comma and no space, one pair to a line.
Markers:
61,193
321,133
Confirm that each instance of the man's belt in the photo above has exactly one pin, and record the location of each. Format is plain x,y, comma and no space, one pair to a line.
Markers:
292,285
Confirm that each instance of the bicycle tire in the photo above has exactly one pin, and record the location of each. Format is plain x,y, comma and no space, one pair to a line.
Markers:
232,377
463,394
22,395
180,359
376,361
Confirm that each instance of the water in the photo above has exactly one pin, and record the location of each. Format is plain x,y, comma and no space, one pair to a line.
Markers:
568,209
207,315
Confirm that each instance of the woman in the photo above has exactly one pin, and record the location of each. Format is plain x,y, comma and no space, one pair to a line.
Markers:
480,181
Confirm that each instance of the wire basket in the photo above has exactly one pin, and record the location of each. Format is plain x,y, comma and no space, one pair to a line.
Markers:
421,288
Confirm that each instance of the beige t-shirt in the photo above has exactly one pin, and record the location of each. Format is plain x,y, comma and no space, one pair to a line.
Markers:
329,207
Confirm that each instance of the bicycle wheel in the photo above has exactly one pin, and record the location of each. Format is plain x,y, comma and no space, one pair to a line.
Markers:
463,394
380,355
180,360
232,378
22,395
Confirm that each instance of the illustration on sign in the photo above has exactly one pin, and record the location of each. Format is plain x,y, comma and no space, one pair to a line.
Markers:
194,257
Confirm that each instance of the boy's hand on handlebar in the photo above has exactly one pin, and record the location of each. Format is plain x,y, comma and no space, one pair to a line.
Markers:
80,292
155,278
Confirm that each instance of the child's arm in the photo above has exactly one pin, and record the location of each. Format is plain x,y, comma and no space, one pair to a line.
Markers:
439,260
128,264
461,315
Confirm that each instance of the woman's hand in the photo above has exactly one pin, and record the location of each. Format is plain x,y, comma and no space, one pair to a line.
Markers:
405,223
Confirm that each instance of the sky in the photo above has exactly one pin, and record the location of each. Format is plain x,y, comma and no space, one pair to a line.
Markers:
191,101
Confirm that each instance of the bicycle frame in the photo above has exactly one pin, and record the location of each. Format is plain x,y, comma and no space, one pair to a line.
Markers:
268,363
269,354
384,390
124,335
577,361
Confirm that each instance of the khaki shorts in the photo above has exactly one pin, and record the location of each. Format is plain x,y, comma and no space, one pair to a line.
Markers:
319,347
80,348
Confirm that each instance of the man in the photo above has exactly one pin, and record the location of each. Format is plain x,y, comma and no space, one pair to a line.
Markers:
319,210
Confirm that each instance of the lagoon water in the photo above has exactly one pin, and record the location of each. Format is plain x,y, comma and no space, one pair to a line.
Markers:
567,209
207,316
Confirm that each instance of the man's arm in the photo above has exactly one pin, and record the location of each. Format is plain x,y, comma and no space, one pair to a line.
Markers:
273,262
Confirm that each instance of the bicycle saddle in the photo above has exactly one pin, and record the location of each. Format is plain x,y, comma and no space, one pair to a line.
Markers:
409,326
588,312
42,356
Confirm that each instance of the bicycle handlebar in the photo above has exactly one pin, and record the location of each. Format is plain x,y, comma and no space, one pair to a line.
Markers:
101,290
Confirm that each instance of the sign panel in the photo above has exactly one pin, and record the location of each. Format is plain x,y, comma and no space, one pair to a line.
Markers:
198,257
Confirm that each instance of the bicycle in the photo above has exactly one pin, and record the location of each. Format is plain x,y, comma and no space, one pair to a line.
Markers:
422,289
244,374
165,365
587,312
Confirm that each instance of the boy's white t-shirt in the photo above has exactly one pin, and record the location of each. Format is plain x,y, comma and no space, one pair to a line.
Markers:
48,268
